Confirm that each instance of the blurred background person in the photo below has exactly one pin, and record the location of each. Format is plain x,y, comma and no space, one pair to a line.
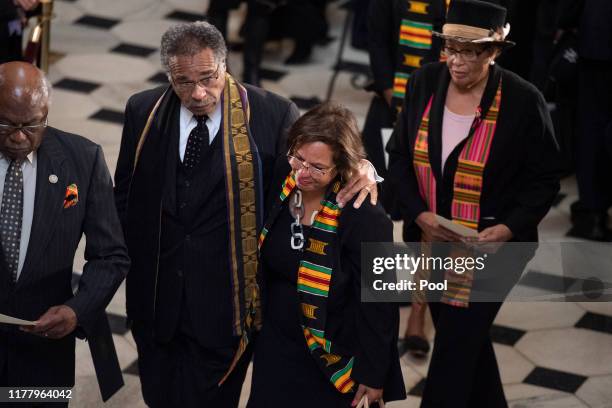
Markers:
13,18
301,20
218,13
593,19
400,41
304,21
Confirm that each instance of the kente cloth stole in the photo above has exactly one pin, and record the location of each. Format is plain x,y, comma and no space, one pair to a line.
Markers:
314,276
243,185
467,187
415,40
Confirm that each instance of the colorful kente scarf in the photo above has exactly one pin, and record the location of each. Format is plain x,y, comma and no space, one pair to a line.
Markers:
415,42
314,276
243,186
467,185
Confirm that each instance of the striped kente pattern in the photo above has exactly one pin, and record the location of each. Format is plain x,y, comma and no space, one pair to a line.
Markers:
416,34
288,186
414,44
313,279
262,236
327,219
470,168
400,82
422,166
467,186
342,378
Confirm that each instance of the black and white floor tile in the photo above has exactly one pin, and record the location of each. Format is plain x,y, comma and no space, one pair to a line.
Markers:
550,354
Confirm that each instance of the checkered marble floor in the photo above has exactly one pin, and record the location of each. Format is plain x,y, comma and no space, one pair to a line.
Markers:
550,354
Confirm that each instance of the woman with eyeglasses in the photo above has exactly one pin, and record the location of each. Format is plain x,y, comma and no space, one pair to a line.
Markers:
474,144
320,345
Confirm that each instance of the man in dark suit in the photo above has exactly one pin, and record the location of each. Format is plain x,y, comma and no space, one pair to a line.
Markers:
55,187
195,162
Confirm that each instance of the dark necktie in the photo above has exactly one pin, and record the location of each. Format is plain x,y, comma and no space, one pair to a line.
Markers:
11,215
197,143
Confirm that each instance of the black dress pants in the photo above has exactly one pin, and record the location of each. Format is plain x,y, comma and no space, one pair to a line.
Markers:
463,372
182,373
593,162
6,380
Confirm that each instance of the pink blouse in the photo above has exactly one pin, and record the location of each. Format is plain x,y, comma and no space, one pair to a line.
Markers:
455,128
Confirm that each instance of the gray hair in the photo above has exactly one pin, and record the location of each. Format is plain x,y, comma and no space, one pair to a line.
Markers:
190,39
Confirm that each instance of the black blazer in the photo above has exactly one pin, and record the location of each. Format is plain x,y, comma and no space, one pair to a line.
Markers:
46,276
271,116
521,178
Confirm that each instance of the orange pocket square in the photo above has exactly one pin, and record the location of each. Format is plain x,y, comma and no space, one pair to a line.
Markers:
72,196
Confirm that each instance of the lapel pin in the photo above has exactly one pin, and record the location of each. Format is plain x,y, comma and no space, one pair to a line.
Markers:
52,179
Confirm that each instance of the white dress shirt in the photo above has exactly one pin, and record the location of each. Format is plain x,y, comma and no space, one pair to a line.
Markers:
28,168
188,122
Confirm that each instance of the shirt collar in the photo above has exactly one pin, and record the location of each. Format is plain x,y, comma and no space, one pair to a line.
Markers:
29,158
187,115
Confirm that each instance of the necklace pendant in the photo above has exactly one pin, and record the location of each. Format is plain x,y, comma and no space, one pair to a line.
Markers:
297,236
297,241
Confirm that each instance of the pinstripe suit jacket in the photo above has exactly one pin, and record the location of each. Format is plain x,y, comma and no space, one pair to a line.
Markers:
46,276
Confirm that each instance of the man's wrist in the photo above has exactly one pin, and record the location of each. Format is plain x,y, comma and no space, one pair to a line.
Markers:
377,178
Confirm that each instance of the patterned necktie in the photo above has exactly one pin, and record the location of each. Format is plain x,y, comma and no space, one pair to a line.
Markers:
11,215
197,143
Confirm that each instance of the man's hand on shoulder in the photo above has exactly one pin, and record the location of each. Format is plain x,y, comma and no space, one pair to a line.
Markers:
362,183
56,323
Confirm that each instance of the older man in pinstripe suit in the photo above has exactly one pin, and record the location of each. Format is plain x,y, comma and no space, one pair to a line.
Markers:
55,187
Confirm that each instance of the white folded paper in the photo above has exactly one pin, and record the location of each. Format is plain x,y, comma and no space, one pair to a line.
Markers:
13,320
456,228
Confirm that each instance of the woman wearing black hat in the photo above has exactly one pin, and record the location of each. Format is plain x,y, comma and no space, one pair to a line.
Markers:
475,144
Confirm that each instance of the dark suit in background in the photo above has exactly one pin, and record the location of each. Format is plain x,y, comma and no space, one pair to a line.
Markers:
593,169
10,44
218,13
45,280
179,289
384,25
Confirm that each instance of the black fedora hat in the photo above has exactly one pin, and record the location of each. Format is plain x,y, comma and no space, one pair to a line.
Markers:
475,21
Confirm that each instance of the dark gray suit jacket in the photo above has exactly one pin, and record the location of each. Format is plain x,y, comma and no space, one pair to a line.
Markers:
45,280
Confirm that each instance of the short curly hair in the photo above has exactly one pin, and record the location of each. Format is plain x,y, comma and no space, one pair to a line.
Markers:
190,39
334,125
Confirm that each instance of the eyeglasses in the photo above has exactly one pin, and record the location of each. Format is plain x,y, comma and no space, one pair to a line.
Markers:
30,130
469,55
202,83
299,164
